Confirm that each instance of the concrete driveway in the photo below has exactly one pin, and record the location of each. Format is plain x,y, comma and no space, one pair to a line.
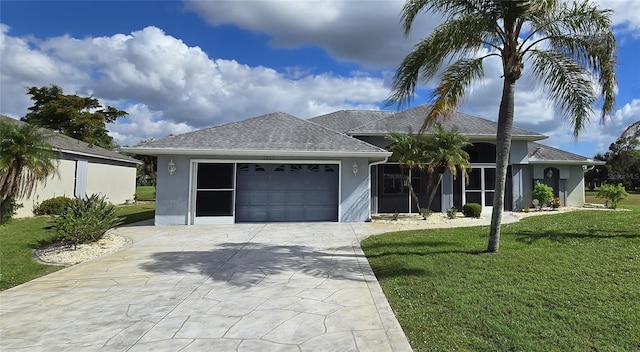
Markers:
245,287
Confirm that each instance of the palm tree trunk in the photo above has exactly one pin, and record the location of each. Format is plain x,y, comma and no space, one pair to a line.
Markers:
503,147
413,194
434,189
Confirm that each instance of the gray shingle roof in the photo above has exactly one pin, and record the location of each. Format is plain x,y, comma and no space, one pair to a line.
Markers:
69,145
344,120
272,132
543,153
472,126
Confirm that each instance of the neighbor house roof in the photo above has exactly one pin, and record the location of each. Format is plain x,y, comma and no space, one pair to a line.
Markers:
412,119
344,120
68,145
276,134
543,154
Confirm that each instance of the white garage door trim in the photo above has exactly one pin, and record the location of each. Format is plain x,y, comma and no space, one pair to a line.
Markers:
193,220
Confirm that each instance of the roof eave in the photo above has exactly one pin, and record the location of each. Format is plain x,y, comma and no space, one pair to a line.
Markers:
568,162
123,160
528,138
253,153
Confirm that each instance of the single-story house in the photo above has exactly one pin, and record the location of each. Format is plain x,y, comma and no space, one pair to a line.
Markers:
334,167
83,169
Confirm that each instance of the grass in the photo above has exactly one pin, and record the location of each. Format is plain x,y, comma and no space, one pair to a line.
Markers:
633,200
146,193
136,212
20,237
564,282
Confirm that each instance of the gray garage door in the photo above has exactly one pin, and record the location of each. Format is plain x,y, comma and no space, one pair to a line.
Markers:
286,192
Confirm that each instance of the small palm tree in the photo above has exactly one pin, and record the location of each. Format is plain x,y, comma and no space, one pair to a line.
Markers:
409,150
445,151
568,47
26,159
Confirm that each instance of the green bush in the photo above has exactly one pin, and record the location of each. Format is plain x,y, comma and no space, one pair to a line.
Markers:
543,193
86,220
613,194
53,206
452,213
10,207
472,210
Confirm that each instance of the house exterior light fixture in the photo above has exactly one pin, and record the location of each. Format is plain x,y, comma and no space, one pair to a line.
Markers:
171,167
355,168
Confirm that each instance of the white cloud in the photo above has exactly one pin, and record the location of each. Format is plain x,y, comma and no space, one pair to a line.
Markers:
626,13
171,86
127,130
366,32
598,136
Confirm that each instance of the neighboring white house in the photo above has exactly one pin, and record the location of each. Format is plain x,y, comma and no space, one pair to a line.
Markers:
334,167
84,169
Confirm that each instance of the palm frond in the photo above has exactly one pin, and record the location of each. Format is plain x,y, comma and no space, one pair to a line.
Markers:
583,33
26,158
461,37
633,131
452,87
568,84
448,8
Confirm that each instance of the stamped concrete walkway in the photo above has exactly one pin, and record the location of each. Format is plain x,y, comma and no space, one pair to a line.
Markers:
245,287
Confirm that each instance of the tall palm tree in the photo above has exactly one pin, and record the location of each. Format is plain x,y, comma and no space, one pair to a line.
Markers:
26,159
567,47
445,151
409,150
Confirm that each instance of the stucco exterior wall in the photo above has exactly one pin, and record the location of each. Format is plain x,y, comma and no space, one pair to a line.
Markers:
527,185
172,191
519,152
571,183
354,191
116,182
574,186
57,185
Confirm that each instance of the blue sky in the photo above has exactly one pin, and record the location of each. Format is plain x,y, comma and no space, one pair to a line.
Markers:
176,66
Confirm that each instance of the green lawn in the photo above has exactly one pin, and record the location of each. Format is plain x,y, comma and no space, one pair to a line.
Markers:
564,282
136,212
146,193
19,237
633,200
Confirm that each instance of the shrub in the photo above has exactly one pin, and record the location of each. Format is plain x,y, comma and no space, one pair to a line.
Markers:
11,206
543,193
86,220
452,213
613,194
425,213
53,206
472,210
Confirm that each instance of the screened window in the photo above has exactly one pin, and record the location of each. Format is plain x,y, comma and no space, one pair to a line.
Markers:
214,189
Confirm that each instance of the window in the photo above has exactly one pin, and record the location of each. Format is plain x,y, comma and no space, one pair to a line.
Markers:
214,189
392,179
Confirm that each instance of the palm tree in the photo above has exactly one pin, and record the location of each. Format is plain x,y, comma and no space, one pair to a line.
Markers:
632,131
566,46
445,151
409,150
25,160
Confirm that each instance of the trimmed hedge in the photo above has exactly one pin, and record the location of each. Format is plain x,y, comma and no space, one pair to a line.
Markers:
53,206
472,210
